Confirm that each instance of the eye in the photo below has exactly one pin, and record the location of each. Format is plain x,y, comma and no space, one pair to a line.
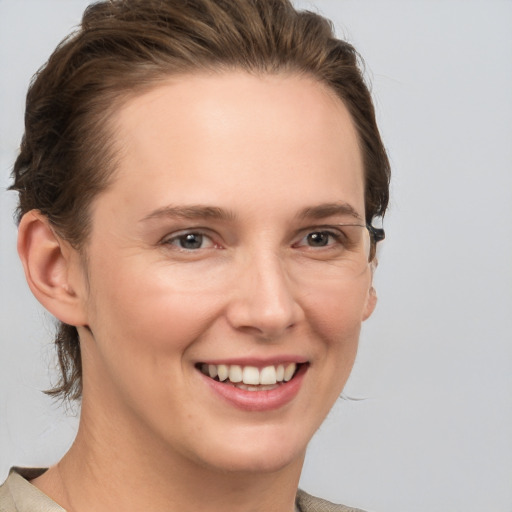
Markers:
190,241
319,239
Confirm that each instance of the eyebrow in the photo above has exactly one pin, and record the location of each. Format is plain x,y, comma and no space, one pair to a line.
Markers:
191,212
195,212
323,211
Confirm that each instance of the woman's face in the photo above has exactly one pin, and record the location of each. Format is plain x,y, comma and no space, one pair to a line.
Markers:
215,249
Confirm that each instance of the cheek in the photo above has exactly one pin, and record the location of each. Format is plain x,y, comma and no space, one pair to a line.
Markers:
148,310
336,316
142,331
338,308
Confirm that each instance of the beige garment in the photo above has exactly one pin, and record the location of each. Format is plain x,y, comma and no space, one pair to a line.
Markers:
17,494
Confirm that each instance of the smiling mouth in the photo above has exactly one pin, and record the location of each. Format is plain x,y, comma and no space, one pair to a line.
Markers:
251,378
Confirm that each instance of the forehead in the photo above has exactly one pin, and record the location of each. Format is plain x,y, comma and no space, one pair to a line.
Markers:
216,103
198,135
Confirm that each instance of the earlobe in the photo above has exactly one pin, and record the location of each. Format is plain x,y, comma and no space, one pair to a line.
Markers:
51,268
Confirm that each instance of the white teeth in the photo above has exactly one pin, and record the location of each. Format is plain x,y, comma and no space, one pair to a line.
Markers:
222,372
235,373
280,373
268,375
251,377
289,371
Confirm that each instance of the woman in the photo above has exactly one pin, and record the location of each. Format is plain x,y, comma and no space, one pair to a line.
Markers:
197,183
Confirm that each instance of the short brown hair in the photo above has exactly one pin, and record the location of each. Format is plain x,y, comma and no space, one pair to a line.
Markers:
125,46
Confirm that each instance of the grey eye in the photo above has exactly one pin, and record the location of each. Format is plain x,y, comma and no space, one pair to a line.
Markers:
190,241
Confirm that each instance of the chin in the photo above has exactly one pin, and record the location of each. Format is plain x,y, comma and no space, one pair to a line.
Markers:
257,463
259,453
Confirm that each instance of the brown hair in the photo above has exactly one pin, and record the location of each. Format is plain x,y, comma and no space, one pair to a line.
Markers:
125,46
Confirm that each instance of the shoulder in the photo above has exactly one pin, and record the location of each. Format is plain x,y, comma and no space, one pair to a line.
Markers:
307,503
17,494
7,503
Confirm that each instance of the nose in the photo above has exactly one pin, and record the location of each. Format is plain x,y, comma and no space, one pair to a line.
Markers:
263,300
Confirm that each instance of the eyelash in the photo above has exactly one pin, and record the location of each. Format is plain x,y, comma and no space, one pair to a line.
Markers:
334,235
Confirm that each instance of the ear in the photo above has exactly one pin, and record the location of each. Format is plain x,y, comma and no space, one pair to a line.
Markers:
371,300
52,269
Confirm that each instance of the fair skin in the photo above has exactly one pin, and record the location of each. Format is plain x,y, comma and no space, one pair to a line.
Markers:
246,166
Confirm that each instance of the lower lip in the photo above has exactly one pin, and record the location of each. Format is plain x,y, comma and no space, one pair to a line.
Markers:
259,400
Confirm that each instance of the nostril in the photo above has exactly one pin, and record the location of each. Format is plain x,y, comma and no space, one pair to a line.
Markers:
266,332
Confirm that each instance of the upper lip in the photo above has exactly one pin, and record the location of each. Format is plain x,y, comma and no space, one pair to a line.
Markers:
258,362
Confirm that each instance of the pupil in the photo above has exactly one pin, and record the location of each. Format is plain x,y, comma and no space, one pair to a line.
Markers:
191,241
318,239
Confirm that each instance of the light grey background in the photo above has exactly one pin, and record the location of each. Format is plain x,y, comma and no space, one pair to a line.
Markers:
435,364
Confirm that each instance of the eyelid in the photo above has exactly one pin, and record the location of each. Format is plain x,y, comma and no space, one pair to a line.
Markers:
325,227
322,227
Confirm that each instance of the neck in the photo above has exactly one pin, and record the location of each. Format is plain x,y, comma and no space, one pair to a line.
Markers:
109,469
